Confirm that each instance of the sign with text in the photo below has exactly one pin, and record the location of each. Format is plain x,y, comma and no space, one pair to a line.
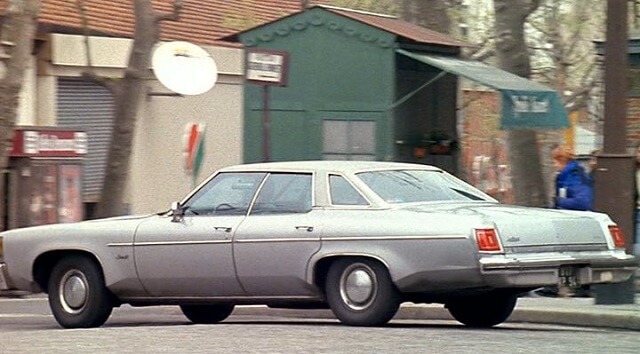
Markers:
267,67
532,110
49,143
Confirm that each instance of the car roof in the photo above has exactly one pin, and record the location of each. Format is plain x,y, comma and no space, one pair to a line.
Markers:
328,166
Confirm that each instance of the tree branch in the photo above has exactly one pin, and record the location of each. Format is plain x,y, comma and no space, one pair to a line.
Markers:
89,72
173,16
80,5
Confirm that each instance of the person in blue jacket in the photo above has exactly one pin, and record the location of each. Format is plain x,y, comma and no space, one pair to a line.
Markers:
574,186
574,191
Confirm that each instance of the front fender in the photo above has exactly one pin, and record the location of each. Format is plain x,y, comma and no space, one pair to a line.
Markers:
109,241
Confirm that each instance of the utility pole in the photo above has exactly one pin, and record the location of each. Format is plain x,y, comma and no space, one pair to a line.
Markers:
614,184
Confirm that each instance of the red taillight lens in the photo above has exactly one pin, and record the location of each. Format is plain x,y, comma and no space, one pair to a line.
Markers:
617,235
487,240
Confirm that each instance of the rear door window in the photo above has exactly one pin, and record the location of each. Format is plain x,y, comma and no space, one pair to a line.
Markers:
343,193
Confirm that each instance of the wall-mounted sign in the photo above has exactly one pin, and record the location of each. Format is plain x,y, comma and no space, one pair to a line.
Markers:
194,148
48,143
267,67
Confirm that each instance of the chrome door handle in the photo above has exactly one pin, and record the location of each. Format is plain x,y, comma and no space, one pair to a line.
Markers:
308,228
222,228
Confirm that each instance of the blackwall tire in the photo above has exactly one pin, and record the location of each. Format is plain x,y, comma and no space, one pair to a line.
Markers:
78,297
360,292
483,311
207,314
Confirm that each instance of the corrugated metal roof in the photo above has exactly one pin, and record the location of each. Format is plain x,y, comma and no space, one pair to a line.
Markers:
202,21
400,27
207,21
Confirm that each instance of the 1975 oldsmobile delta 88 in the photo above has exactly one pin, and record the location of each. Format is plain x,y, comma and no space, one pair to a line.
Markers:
357,237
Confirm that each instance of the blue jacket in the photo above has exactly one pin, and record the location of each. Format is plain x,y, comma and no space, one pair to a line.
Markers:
578,185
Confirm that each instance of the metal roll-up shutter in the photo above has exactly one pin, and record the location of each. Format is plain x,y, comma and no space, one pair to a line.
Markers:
87,106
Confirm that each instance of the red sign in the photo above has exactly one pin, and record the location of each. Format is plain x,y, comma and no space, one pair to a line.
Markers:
48,143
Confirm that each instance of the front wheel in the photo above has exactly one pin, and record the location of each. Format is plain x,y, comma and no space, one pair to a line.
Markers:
78,296
207,314
360,292
483,311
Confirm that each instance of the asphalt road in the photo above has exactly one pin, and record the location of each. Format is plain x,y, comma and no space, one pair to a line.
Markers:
26,326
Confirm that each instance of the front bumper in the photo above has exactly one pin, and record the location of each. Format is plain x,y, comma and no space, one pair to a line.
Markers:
544,269
5,281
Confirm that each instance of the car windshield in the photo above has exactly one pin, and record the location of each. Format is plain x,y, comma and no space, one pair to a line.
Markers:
411,186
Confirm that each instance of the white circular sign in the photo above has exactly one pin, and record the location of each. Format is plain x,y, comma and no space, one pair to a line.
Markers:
184,68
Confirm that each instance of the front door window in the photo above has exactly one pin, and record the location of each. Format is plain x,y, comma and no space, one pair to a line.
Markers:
225,194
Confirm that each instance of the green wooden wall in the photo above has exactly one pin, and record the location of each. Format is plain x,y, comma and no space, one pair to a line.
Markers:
338,69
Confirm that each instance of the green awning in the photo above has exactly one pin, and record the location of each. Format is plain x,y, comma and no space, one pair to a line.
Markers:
525,104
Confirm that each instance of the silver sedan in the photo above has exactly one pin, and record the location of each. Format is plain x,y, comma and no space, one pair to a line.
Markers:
357,237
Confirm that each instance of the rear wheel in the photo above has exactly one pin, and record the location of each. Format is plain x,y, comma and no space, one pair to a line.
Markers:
360,292
483,311
78,296
207,314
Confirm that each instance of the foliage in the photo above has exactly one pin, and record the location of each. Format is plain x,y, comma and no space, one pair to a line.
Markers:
388,7
560,37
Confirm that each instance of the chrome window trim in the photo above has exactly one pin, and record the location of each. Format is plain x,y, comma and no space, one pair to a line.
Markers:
266,178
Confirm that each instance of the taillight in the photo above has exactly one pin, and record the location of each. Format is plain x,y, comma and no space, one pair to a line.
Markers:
487,240
617,235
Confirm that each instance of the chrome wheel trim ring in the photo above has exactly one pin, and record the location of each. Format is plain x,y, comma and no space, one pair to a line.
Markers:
358,286
73,291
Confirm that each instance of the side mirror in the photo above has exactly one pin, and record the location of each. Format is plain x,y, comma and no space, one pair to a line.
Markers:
176,211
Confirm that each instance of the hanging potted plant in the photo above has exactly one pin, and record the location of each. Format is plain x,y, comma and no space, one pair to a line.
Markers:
440,143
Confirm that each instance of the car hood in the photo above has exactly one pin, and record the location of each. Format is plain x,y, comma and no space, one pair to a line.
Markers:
521,227
119,224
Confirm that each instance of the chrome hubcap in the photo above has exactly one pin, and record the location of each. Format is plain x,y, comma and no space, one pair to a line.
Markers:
358,286
73,291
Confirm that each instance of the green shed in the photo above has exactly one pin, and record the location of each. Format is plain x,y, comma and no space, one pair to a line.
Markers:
359,86
344,81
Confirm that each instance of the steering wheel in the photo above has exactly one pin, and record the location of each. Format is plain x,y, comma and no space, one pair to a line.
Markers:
224,207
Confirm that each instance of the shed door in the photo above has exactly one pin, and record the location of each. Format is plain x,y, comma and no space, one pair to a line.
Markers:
84,105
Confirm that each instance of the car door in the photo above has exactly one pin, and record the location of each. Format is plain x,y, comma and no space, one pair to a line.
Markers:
191,256
273,245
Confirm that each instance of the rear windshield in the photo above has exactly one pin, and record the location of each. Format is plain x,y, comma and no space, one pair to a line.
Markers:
411,186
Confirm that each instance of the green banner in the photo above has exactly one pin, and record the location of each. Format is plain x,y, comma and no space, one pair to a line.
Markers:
531,109
526,104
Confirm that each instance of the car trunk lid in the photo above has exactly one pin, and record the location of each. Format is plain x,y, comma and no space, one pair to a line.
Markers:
532,229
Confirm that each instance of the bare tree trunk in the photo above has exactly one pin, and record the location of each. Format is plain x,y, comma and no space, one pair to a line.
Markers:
431,14
128,93
513,56
16,36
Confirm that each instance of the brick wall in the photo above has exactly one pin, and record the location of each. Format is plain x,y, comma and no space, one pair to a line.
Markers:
633,121
485,162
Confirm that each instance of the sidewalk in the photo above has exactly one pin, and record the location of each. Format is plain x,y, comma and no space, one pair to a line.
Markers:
564,311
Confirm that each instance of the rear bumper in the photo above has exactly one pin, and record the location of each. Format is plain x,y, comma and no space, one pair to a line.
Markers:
544,269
